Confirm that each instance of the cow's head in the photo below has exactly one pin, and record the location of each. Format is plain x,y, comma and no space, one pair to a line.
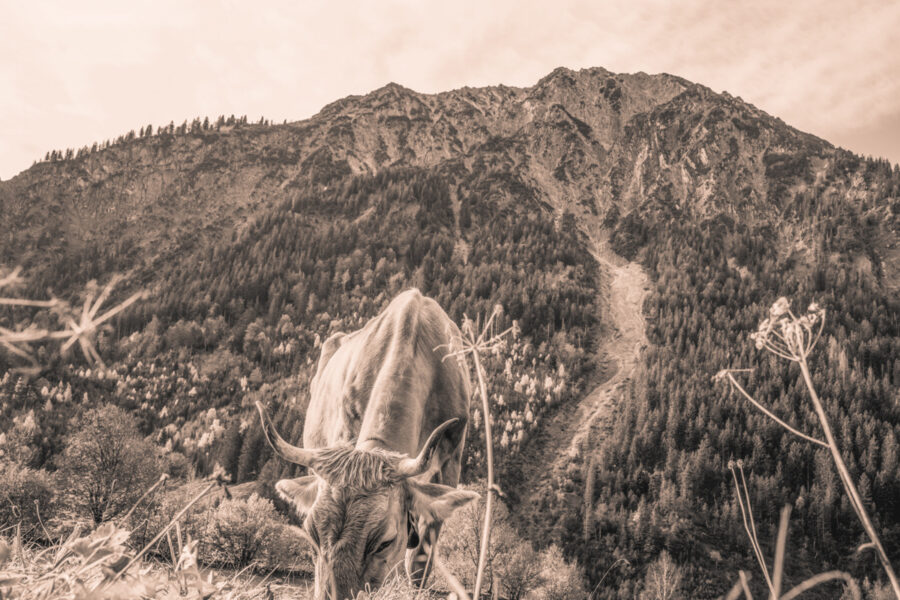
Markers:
362,509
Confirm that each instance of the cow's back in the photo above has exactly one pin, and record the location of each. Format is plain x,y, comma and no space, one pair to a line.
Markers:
388,384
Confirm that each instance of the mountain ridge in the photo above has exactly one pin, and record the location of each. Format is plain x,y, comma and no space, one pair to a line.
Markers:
577,123
233,227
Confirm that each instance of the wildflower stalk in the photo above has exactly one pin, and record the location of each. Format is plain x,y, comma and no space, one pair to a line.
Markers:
793,338
489,501
486,341
855,498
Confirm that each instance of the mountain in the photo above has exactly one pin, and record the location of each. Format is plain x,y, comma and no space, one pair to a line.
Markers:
637,226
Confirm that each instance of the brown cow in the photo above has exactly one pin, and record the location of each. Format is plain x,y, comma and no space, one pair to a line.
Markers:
383,437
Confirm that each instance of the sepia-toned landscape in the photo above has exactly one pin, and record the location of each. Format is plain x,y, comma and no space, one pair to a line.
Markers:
680,312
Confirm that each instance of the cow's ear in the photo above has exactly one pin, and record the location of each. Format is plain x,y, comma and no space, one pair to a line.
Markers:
300,493
433,502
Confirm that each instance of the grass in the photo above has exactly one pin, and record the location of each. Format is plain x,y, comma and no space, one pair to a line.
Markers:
99,565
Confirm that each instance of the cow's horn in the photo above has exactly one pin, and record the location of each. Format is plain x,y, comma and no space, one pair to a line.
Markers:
294,454
410,467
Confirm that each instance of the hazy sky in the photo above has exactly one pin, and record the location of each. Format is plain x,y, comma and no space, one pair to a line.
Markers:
72,73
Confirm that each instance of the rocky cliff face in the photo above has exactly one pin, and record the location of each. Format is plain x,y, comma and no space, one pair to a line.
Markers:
723,204
589,142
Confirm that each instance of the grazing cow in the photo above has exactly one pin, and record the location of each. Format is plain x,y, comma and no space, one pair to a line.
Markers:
383,438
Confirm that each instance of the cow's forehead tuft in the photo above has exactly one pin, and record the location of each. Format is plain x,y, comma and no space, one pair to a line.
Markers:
346,466
344,518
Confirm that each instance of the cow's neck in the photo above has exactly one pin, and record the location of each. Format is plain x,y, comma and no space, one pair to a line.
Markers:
393,424
399,388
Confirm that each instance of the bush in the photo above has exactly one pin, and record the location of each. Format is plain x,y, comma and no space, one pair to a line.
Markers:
25,497
518,571
106,464
663,579
231,532
238,531
560,580
513,566
243,532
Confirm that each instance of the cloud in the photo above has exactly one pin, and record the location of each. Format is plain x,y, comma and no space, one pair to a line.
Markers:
73,75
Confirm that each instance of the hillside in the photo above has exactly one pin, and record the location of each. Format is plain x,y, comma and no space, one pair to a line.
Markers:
589,205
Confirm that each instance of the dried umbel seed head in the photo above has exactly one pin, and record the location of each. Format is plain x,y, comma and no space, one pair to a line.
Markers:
762,332
781,307
468,326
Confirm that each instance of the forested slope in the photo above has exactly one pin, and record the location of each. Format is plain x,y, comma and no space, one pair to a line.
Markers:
254,242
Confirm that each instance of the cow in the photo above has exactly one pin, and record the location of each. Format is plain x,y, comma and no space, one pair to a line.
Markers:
383,438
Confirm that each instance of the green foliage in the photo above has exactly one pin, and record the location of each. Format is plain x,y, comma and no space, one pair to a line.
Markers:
106,465
239,532
661,481
26,497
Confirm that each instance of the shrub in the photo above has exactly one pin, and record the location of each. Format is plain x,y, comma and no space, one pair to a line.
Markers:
230,532
513,564
238,531
518,571
560,580
663,579
106,464
25,496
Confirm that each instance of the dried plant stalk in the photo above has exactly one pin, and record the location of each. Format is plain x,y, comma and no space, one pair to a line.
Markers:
486,341
793,338
80,327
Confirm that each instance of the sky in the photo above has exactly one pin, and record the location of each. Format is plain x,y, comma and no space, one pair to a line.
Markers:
76,72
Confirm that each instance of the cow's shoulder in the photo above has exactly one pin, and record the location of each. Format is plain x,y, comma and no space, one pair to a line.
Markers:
411,314
403,313
331,345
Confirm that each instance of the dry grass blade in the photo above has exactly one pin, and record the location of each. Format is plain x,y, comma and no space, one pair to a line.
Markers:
735,592
11,279
29,303
820,579
780,546
745,585
743,497
608,570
